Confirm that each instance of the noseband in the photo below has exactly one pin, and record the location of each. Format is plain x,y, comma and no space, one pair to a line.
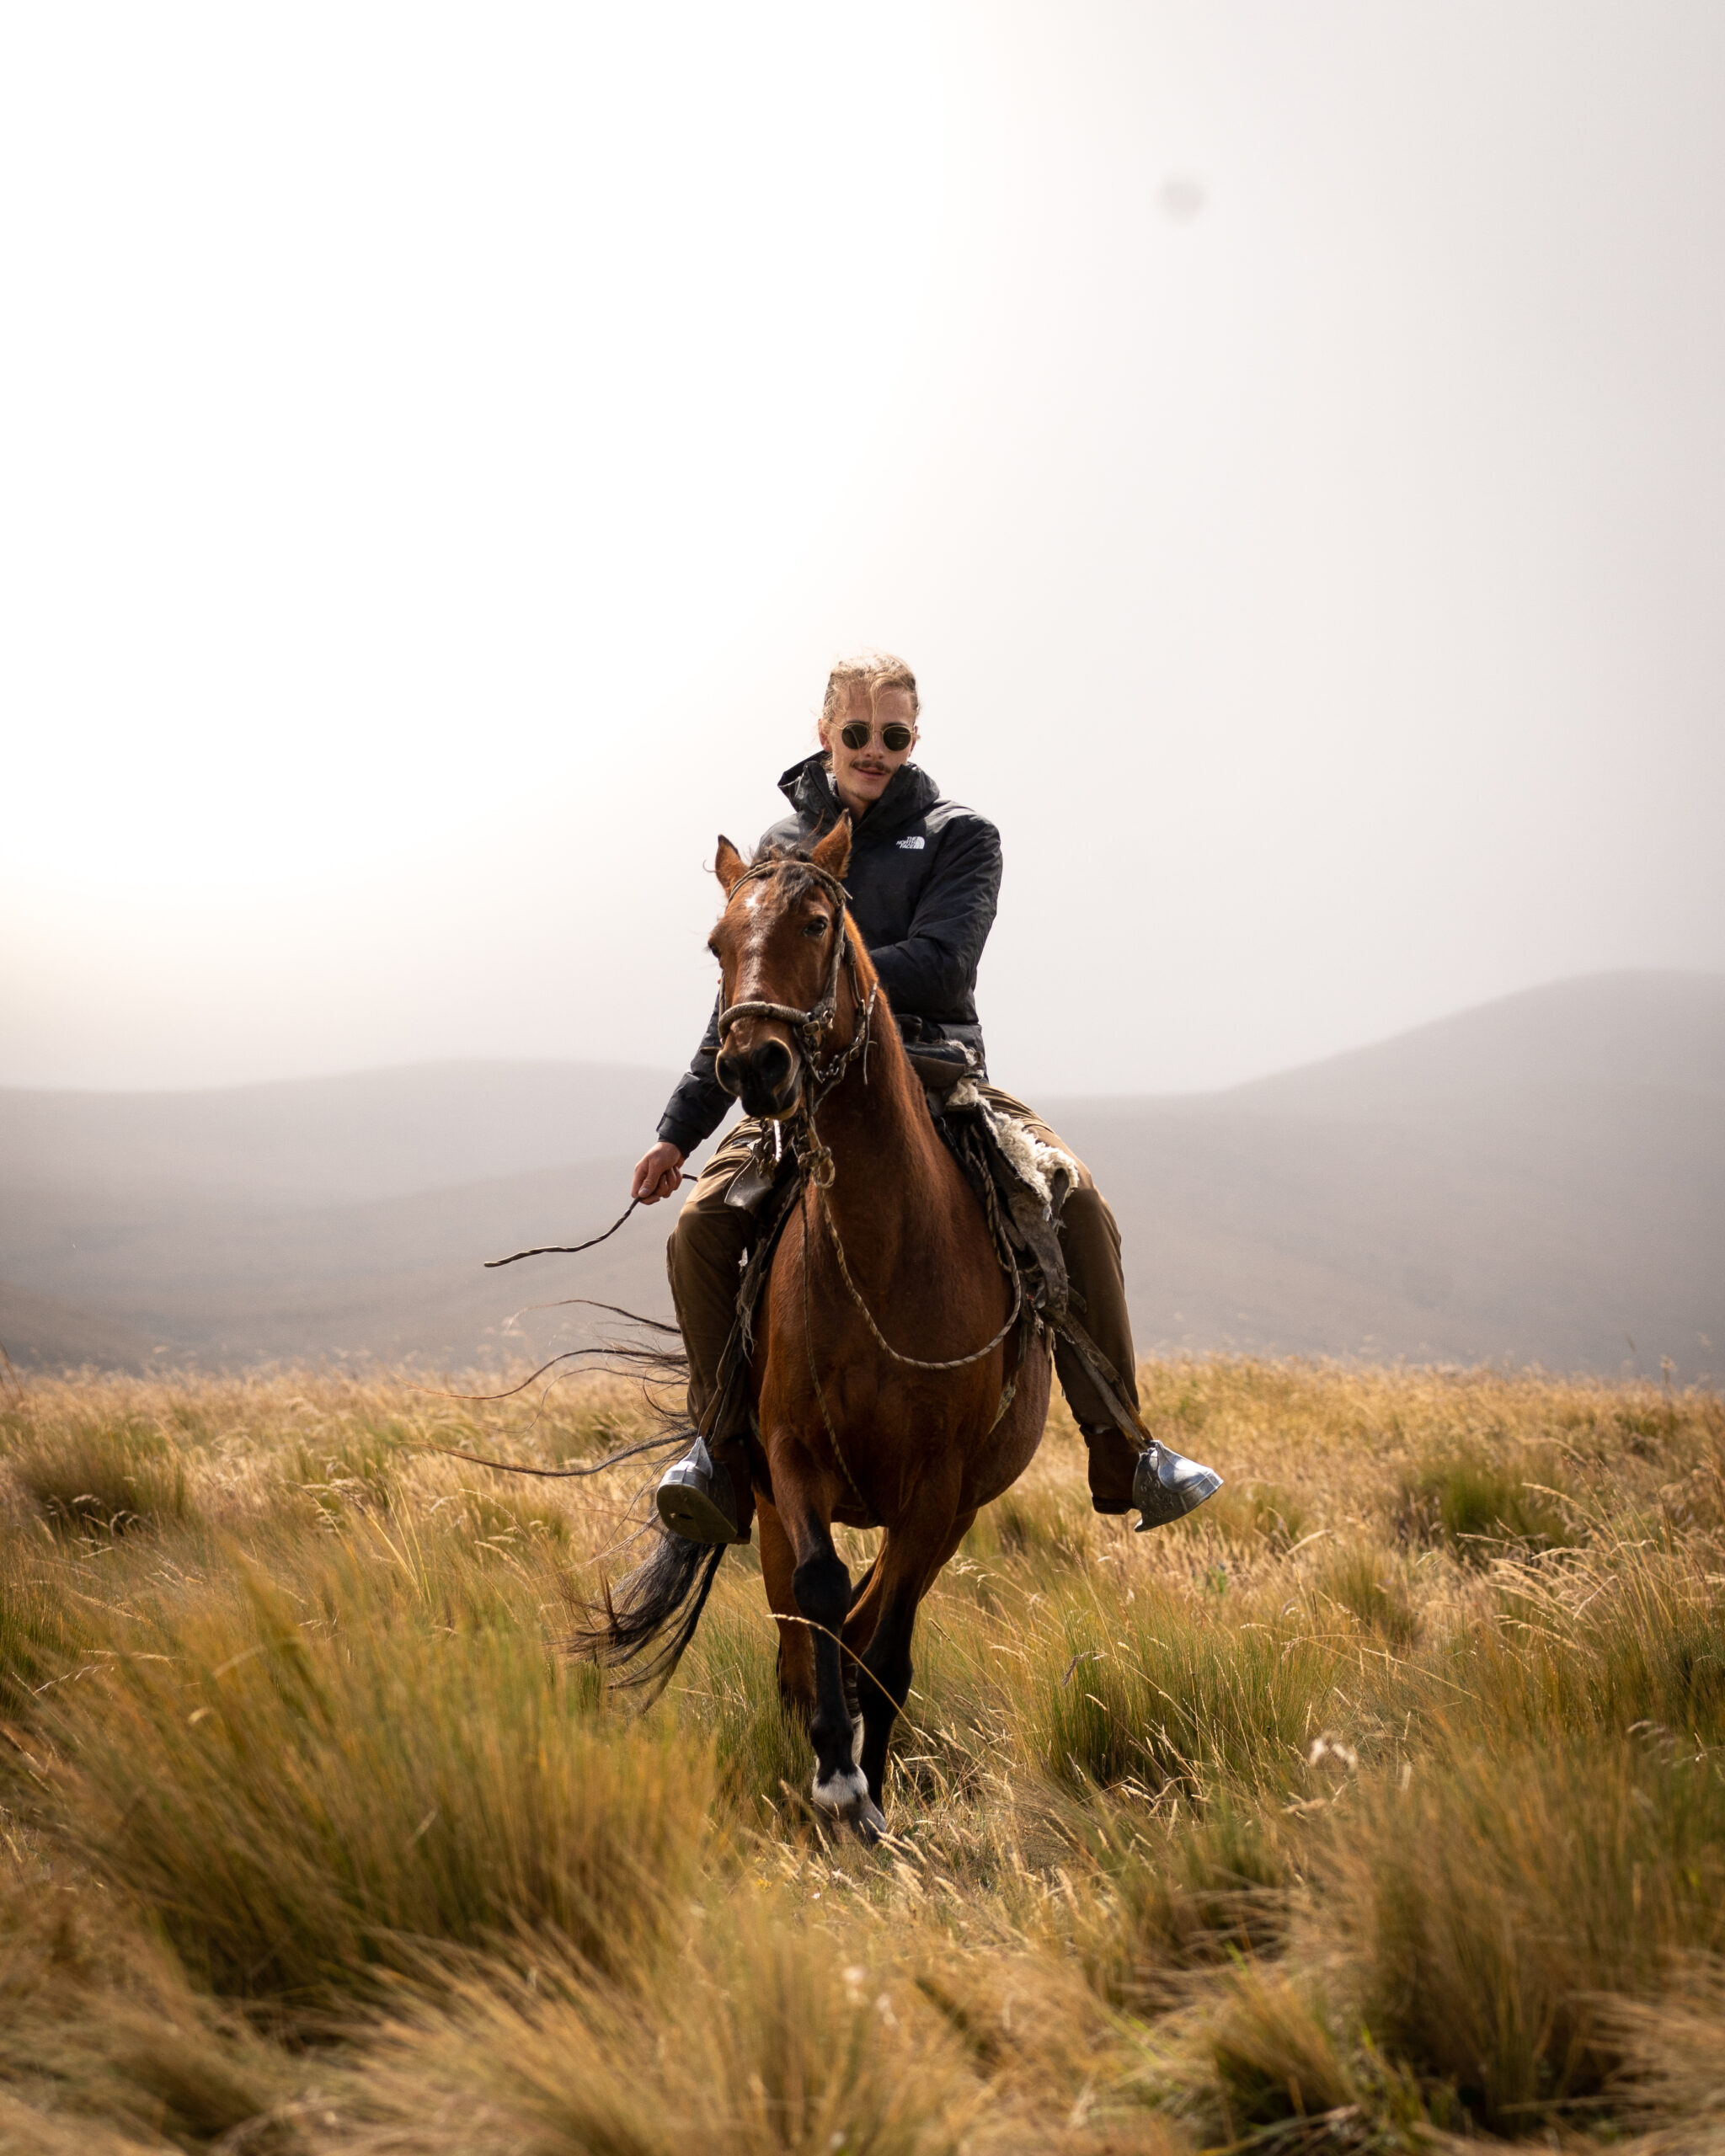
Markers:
810,1025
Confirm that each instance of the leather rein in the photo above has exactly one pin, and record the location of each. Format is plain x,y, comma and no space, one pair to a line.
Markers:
816,1163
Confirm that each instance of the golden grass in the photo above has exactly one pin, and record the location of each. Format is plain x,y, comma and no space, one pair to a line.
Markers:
1380,1802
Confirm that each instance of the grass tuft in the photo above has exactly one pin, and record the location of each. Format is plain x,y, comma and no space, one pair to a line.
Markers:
775,2037
1164,1694
307,1780
1253,1515
1488,1909
93,1475
1369,1584
1471,1505
1204,1891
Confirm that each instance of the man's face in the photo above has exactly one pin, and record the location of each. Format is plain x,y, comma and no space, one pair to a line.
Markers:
860,776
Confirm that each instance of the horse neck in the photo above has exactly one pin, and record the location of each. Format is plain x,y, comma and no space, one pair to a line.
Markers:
876,1118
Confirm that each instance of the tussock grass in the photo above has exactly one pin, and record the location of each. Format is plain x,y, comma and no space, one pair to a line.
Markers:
1489,1905
40,1626
1369,1584
310,1777
1167,1693
91,1473
106,2045
1471,1504
1055,1525
1632,1637
771,2041
1379,1800
1673,2062
1255,1515
1189,1894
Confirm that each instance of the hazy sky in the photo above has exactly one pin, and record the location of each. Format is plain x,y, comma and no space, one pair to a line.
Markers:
441,448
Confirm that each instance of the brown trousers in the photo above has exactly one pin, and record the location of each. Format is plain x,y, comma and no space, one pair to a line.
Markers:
711,1239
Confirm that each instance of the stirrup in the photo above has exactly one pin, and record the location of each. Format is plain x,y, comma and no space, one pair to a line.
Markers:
1166,1485
695,1500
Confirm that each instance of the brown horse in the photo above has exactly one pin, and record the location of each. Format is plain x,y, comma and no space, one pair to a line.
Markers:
886,1374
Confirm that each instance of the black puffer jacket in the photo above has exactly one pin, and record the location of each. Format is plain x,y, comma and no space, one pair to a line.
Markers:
924,879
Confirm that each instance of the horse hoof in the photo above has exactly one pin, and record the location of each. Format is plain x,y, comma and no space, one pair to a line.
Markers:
844,1796
839,1794
694,1500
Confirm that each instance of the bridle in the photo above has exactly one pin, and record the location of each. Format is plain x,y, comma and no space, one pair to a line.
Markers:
815,1167
811,1025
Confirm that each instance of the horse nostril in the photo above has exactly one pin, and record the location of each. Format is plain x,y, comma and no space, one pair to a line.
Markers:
724,1069
772,1065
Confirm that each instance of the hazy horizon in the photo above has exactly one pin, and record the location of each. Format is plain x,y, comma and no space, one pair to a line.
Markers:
1541,1178
444,453
669,1070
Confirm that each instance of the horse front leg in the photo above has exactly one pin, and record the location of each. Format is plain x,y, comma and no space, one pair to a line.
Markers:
821,1585
909,1561
796,1642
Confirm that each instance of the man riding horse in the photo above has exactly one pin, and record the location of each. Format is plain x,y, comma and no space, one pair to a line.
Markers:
922,880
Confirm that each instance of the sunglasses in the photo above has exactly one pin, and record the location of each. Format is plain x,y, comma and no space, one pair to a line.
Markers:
859,733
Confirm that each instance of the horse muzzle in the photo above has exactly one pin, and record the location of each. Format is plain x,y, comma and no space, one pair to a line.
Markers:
765,1077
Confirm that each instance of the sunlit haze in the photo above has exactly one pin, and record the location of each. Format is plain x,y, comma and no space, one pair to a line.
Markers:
442,449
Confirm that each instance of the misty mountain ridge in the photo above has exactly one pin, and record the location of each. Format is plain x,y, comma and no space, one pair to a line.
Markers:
350,1137
1539,1179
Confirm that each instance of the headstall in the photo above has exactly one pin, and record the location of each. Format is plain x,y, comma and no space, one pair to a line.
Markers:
810,1025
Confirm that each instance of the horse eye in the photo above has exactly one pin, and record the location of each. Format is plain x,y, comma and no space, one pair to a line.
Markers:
816,927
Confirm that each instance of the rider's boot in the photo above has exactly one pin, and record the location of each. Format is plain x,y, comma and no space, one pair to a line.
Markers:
1163,1484
1166,1486
707,1495
697,1499
1112,1463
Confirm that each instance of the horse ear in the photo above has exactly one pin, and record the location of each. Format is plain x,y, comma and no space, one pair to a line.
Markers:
727,864
833,854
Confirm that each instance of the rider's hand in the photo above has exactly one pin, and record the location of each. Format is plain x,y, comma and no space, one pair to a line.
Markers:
658,1172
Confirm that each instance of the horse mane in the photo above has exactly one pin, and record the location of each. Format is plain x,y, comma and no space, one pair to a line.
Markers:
790,857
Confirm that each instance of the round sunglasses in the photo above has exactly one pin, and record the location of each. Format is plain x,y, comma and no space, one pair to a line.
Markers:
894,736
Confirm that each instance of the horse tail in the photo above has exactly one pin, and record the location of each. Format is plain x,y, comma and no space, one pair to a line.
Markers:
654,1612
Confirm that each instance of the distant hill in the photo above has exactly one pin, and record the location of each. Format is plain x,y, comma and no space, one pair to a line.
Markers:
1542,1179
41,1331
324,1141
341,1217
223,1283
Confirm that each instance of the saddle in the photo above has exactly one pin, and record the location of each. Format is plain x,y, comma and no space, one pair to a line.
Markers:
940,1065
1022,1186
1021,1183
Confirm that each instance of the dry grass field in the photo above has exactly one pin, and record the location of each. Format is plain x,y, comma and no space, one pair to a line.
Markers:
1378,1806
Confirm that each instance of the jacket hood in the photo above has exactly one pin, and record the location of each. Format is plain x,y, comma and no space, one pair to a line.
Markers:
808,787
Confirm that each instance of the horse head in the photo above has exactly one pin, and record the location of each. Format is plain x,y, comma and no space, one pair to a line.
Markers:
780,942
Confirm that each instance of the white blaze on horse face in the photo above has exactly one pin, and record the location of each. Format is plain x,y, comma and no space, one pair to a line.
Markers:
751,953
748,951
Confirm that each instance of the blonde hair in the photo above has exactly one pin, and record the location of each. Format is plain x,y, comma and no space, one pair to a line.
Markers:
872,672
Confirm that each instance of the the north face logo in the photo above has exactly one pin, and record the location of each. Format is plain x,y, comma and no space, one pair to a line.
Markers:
912,846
